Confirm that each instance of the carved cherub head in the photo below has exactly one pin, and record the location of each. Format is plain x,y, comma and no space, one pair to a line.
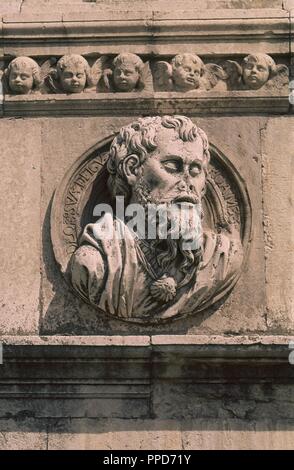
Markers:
73,73
187,70
127,72
22,76
257,69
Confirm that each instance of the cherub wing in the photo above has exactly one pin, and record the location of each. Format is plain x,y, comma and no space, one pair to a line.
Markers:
47,72
233,70
163,76
101,71
47,66
146,80
213,75
5,80
52,83
280,78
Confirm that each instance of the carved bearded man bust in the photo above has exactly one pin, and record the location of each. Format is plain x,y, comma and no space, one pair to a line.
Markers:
157,161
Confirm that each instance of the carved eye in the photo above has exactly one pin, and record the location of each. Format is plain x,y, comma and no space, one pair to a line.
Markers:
260,68
195,170
172,166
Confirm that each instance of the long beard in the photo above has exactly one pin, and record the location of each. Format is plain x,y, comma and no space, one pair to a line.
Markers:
177,237
181,242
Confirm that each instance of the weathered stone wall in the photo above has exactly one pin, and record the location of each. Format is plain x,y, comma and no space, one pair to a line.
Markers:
225,382
40,151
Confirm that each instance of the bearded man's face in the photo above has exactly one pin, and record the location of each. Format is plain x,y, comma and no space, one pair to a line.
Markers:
173,173
174,176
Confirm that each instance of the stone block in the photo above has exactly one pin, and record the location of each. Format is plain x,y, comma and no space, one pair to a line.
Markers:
222,401
243,311
288,5
197,434
278,215
35,28
114,434
62,310
23,434
237,435
20,233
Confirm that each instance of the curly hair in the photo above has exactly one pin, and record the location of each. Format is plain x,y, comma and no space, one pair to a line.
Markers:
264,57
23,61
139,138
178,60
128,58
75,60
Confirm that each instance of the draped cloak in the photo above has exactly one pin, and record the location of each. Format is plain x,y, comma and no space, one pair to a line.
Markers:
109,273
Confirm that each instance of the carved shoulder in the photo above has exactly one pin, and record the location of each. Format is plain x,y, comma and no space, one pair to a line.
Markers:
87,270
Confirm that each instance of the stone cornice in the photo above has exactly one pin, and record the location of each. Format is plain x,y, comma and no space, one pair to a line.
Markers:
100,104
115,376
153,351
237,32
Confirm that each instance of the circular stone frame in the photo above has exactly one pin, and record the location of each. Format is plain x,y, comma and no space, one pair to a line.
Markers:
84,185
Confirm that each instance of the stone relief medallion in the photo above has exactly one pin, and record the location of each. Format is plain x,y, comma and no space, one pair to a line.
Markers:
153,223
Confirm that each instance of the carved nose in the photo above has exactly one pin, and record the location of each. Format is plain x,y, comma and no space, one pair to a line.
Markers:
182,186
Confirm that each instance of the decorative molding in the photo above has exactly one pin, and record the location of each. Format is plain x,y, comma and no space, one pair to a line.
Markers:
113,376
148,33
214,103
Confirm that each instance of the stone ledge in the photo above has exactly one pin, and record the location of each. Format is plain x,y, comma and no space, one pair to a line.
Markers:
269,349
232,102
117,376
149,32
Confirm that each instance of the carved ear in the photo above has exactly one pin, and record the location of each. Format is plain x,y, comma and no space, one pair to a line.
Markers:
130,168
163,76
